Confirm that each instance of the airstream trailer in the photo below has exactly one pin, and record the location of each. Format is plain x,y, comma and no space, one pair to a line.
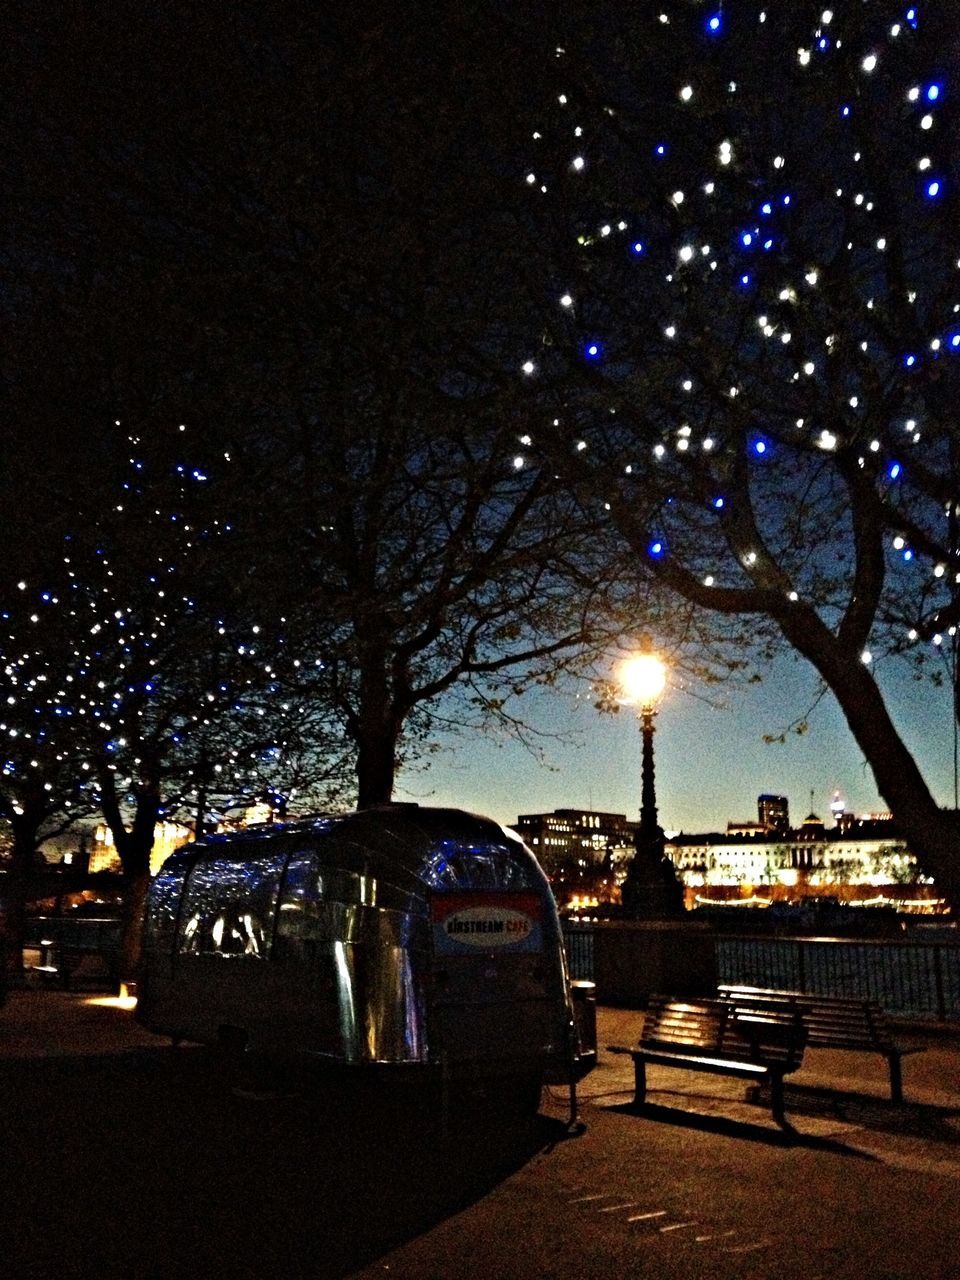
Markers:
398,936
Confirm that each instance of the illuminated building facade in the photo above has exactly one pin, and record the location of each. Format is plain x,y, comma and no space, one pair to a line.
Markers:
860,854
573,835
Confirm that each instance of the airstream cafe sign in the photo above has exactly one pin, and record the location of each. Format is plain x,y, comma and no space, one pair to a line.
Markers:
464,922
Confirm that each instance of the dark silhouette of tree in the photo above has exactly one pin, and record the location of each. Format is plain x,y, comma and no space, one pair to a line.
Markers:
755,329
293,234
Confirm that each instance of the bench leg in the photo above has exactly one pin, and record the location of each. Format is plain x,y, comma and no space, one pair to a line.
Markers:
896,1077
776,1101
640,1081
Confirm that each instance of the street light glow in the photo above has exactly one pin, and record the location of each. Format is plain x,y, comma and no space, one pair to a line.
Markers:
643,678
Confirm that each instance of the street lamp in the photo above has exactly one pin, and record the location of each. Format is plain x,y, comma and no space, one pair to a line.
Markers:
651,887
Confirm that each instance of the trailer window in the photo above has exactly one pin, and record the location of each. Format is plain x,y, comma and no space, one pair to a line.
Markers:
455,864
230,906
302,903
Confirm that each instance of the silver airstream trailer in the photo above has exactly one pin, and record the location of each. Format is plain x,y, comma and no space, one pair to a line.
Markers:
400,936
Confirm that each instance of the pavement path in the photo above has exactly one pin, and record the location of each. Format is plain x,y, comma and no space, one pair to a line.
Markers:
126,1159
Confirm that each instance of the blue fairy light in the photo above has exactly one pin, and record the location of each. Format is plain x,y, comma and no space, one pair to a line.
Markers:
894,470
637,247
745,281
766,208
746,239
718,503
933,91
592,349
760,447
656,548
715,24
910,361
933,189
908,554
911,17
954,341
845,111
661,149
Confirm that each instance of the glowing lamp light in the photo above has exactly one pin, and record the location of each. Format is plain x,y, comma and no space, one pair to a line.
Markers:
643,679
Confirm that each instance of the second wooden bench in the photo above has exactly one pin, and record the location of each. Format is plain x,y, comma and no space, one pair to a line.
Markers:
832,1022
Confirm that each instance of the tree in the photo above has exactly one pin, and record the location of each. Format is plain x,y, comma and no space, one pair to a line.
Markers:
440,572
754,329
333,298
140,681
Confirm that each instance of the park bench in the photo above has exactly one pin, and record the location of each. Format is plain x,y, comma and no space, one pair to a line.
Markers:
69,967
716,1036
832,1022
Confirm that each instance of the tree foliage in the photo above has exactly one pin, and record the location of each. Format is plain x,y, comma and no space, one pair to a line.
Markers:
755,325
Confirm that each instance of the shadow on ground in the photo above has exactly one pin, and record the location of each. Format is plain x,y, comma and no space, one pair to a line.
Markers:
859,1111
148,1166
909,1119
765,1134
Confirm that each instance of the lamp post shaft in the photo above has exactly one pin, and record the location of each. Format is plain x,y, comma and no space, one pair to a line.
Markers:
648,796
651,888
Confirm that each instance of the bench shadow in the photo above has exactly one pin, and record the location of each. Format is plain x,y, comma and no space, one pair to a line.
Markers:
728,1127
148,1166
868,1111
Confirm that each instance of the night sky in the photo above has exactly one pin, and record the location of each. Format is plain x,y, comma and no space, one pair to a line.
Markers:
111,315
711,760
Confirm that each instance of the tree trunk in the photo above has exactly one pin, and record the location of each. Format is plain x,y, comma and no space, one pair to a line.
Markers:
133,848
932,833
376,765
135,889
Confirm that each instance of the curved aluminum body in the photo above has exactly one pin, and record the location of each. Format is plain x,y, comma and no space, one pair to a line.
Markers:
398,935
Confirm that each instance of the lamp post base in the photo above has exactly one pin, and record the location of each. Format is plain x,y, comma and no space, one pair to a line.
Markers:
652,890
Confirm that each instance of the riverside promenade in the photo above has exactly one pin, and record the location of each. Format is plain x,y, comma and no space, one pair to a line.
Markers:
128,1158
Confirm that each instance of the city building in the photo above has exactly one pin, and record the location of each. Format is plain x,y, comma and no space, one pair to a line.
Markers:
854,858
586,855
773,812
577,835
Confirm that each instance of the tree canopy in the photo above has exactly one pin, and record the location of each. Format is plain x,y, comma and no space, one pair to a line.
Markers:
755,328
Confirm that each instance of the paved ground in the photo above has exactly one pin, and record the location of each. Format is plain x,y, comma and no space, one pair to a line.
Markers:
125,1158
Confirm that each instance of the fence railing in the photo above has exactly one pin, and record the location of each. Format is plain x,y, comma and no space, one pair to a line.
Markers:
918,979
578,940
87,933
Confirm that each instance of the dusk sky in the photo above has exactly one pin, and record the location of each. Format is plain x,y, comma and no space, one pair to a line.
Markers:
711,761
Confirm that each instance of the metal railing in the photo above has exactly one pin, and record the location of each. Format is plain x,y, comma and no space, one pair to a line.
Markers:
916,979
909,979
87,933
578,941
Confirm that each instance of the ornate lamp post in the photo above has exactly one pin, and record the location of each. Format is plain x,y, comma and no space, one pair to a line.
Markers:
651,888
